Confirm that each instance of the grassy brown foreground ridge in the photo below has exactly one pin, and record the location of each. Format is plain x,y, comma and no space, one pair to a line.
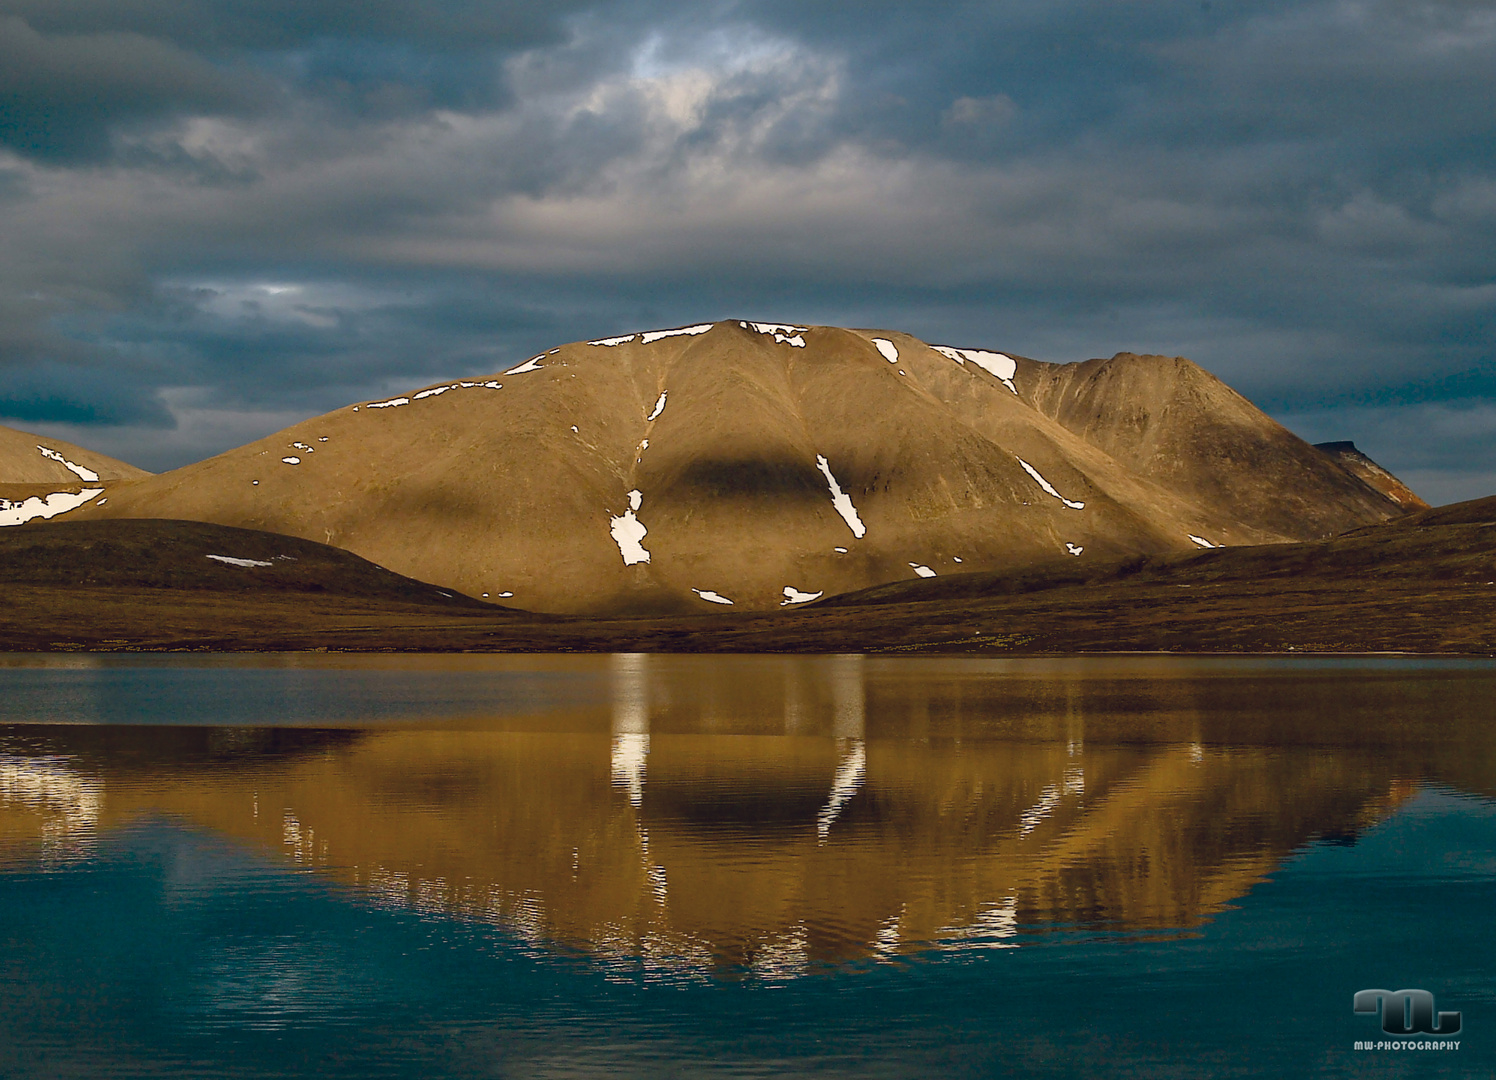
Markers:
1422,583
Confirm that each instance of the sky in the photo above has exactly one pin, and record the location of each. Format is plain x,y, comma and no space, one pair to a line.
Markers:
219,217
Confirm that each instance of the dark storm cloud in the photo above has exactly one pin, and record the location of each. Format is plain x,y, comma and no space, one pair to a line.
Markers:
273,207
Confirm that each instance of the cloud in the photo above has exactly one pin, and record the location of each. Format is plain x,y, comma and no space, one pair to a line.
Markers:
1300,196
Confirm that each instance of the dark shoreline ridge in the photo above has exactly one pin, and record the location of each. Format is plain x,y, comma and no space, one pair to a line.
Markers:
1423,583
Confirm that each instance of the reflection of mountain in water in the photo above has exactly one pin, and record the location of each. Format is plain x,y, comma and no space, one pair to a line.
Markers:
777,813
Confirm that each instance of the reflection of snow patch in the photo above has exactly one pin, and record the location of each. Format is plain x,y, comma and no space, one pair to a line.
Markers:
1045,484
656,335
611,341
715,598
922,571
886,347
532,364
659,406
628,759
850,774
997,364
841,500
291,460
1074,549
793,595
1202,541
80,471
47,506
391,403
237,562
628,531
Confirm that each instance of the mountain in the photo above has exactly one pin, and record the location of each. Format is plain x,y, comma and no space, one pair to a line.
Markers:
1373,474
41,477
748,466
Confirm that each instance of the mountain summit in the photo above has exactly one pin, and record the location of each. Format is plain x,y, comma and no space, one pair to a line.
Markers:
741,465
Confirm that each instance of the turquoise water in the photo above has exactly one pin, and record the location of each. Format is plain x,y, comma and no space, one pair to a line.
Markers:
833,866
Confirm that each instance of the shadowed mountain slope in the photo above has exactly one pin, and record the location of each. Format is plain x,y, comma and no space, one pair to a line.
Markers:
735,466
192,555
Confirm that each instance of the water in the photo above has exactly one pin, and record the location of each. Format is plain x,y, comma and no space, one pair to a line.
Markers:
735,866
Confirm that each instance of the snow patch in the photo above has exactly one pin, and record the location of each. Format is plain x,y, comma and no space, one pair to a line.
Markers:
955,558
997,364
782,333
841,500
922,571
45,506
390,404
1202,541
433,392
643,444
505,595
656,335
659,406
611,341
238,562
1045,484
840,550
82,472
628,531
886,347
291,460
793,595
1074,549
712,597
493,385
532,364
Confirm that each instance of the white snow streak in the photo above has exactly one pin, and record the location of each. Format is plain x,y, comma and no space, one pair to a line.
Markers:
659,406
611,341
715,598
1074,549
628,531
46,506
886,347
997,364
238,562
1045,484
433,392
841,500
532,364
1202,541
793,595
80,471
390,404
841,550
291,460
922,571
656,335
505,595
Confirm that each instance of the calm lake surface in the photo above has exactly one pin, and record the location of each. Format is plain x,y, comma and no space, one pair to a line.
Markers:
668,866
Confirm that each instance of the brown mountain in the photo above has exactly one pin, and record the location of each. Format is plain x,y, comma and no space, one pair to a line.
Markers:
1373,474
737,465
42,477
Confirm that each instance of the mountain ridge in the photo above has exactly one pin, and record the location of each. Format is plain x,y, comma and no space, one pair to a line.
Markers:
738,465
